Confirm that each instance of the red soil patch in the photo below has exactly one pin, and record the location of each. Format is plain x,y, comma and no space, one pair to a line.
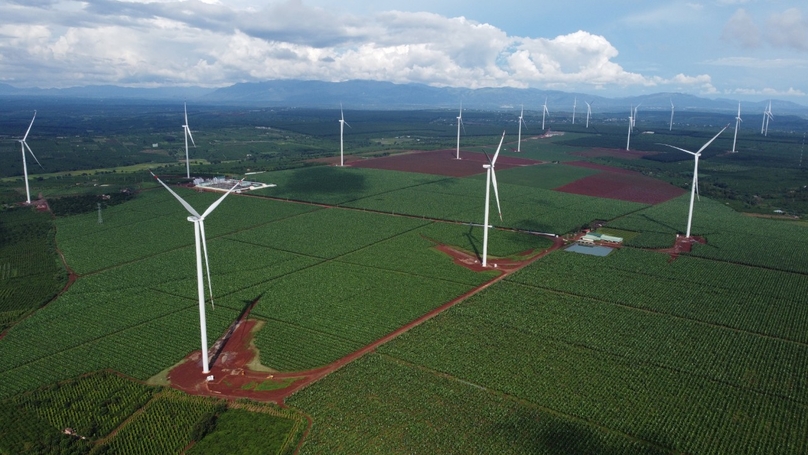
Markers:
616,153
233,352
682,245
441,162
623,185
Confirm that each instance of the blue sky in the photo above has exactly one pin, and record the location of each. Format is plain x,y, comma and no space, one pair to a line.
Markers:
744,49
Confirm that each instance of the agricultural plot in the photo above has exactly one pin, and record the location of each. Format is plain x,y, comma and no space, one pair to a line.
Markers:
546,176
730,237
644,360
382,405
31,273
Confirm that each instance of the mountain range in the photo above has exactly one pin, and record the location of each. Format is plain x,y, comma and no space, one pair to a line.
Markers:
363,94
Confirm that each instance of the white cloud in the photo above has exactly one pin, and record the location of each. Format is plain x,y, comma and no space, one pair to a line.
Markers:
767,92
756,63
741,30
788,29
208,43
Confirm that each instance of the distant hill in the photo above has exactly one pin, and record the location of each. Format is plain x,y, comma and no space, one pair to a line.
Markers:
360,94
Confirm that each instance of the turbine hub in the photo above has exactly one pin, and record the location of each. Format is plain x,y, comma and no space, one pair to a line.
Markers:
193,219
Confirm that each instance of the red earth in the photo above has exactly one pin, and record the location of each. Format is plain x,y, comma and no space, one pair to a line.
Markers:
682,245
622,184
233,378
617,153
441,162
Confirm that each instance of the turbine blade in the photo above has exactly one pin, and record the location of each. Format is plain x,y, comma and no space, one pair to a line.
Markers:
494,161
346,124
678,148
29,128
185,107
711,140
207,264
191,136
219,201
182,201
487,157
496,193
32,154
462,125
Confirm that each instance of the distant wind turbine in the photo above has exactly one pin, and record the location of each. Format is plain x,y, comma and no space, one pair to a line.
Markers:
491,177
342,124
588,112
187,130
630,124
201,246
543,113
737,125
459,124
574,105
23,146
767,115
670,127
521,122
695,186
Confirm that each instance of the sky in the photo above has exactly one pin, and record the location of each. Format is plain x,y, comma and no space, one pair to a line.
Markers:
738,49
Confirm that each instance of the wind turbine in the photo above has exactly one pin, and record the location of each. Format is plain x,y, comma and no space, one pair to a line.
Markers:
342,124
187,135
574,105
459,124
695,186
670,127
490,177
23,146
737,125
767,115
543,112
521,121
630,124
201,246
588,112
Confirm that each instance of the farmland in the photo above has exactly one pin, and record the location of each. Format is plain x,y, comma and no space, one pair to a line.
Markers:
636,352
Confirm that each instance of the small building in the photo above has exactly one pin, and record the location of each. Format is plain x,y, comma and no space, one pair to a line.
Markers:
599,237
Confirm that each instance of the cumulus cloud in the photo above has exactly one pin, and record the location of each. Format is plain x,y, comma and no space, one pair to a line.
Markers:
209,43
741,30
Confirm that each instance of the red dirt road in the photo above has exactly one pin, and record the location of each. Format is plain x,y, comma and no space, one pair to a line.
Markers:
441,162
232,378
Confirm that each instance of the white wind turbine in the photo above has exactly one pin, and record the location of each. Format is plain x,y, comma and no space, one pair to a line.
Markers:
459,124
737,125
342,124
23,146
695,186
201,246
588,112
521,122
543,112
630,124
670,127
574,105
491,177
767,115
187,130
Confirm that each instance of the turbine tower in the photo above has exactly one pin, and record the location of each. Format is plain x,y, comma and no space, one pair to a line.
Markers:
23,146
521,122
695,186
588,112
490,178
630,124
574,105
342,124
543,113
201,246
187,130
767,115
459,124
737,125
670,127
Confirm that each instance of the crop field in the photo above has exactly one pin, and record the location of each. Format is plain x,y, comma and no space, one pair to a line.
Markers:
705,364
31,273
